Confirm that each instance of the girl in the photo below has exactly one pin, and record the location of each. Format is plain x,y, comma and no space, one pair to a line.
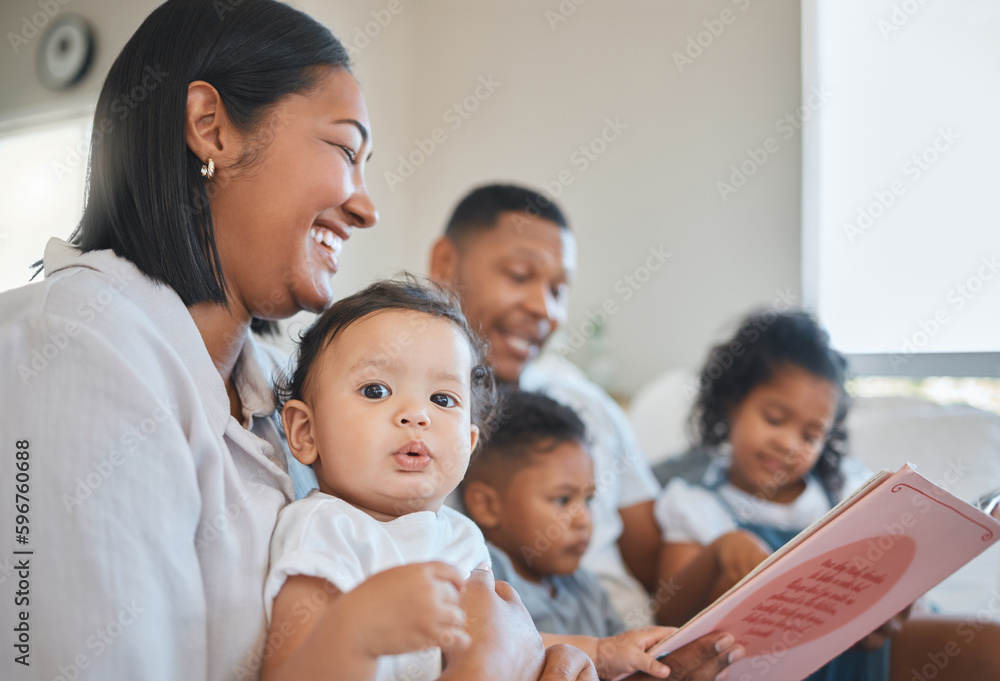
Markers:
770,416
770,461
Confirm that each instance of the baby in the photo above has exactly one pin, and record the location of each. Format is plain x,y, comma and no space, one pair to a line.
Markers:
529,490
386,404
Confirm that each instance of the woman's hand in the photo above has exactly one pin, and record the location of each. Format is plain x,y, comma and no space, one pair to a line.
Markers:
565,663
504,643
703,660
877,638
505,646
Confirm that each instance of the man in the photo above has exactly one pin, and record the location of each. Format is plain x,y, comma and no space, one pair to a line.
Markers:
509,254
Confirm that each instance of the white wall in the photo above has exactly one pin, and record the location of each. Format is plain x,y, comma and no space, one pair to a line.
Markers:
654,186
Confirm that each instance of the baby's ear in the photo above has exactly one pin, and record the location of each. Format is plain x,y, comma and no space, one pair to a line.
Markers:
296,418
474,432
483,504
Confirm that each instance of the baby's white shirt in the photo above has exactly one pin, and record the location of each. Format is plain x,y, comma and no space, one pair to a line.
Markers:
323,536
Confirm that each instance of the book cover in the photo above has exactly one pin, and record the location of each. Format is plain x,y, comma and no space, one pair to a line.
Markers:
844,576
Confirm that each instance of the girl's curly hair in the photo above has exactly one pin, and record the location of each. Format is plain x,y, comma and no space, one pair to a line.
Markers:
764,342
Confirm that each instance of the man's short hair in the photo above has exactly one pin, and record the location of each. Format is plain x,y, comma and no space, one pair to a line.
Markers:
481,208
530,424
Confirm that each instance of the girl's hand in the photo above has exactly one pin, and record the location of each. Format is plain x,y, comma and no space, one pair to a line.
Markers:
626,653
409,608
738,554
877,638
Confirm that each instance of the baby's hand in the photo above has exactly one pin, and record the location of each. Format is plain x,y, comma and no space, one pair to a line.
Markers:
877,638
738,554
626,653
410,608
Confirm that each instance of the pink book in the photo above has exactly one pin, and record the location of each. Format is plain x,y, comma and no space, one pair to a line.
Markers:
867,559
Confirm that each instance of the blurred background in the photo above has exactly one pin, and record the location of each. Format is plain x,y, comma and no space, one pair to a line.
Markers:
757,143
712,156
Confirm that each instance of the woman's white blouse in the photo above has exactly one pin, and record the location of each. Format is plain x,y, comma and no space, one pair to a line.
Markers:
151,507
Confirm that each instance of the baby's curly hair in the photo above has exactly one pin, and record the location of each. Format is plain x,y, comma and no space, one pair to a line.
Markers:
764,342
404,293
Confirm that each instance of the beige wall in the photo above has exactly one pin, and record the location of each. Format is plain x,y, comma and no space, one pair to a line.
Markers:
653,185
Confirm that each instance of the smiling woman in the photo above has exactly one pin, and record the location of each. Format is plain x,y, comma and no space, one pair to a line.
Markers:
157,463
306,187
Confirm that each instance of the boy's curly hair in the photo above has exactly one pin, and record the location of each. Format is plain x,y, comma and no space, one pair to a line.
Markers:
530,424
764,342
404,293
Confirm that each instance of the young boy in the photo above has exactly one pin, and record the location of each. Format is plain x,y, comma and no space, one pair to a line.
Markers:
528,489
386,404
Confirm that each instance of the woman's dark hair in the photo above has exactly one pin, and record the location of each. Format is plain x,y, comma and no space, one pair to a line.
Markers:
406,293
765,342
146,198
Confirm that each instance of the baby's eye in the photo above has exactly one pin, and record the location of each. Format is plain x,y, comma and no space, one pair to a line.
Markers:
442,400
375,391
562,501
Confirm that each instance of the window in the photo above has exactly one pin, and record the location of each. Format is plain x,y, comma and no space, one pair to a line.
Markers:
901,228
42,179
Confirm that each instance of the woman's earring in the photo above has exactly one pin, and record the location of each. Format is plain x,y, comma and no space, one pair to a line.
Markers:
208,169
